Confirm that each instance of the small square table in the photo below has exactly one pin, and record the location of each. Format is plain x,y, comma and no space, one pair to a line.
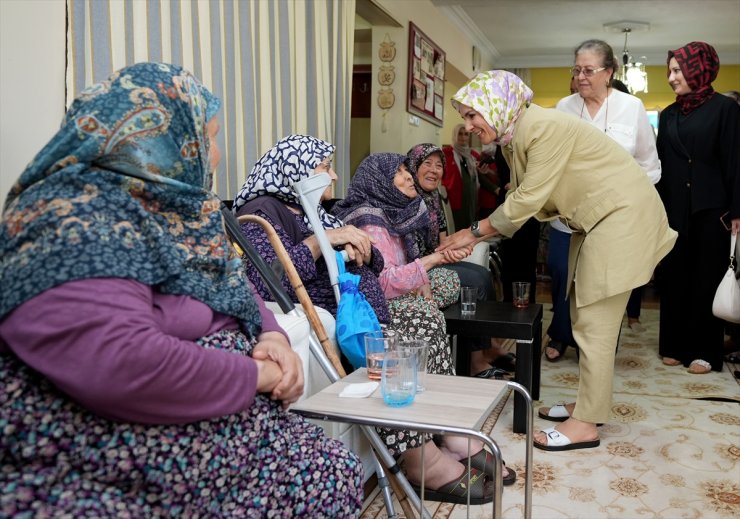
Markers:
449,405
496,319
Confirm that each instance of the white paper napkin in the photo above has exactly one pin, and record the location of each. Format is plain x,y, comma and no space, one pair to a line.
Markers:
362,390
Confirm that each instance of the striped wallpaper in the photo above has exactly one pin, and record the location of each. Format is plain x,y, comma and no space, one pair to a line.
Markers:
279,66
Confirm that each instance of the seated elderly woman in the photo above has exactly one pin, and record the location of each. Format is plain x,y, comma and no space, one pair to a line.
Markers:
383,201
140,374
267,193
426,163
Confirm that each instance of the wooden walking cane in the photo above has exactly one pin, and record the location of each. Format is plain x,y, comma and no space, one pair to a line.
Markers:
320,331
300,290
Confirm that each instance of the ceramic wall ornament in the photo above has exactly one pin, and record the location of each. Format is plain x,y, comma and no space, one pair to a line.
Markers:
386,98
387,49
387,75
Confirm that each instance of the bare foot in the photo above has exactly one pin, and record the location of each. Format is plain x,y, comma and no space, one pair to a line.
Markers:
668,361
576,431
554,350
635,325
456,447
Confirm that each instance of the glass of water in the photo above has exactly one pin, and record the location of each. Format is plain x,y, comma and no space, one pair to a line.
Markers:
468,298
398,378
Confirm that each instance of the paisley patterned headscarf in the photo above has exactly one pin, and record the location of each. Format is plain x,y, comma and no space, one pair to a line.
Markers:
79,211
291,160
373,199
699,65
500,97
415,157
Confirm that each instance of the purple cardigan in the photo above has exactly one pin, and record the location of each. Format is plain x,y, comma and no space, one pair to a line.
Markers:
127,352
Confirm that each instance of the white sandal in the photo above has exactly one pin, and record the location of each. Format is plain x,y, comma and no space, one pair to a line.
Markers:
707,367
557,441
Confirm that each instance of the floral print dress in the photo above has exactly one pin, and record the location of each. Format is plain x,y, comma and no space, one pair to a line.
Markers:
415,317
58,459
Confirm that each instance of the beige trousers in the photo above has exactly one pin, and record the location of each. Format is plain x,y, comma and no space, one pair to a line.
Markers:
596,331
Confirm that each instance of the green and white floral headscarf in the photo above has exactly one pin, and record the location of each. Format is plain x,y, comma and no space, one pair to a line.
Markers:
500,97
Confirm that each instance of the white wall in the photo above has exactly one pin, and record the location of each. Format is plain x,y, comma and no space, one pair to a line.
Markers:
32,43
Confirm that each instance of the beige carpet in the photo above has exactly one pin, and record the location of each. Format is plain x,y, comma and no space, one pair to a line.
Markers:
667,453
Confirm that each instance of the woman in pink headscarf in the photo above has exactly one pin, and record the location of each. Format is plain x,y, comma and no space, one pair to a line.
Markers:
562,167
698,143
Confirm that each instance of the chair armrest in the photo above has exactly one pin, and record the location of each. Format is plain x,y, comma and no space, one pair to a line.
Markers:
297,327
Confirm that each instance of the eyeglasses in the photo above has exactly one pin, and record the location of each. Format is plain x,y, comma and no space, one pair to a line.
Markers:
587,72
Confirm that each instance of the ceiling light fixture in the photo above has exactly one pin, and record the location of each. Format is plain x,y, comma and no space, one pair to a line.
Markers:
633,73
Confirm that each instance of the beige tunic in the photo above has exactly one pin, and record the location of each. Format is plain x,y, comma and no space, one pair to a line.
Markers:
564,168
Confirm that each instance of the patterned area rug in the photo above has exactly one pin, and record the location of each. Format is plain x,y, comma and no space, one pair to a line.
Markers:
667,452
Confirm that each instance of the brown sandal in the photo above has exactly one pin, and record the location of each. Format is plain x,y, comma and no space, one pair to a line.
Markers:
456,491
483,461
668,361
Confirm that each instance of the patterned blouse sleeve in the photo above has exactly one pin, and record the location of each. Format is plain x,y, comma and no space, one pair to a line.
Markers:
299,253
441,215
398,277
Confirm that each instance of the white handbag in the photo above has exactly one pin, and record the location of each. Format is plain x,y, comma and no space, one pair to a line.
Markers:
726,303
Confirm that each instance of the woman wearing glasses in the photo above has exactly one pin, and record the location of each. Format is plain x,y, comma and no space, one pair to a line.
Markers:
563,167
623,118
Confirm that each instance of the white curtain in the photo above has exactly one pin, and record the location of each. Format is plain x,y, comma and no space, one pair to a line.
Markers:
278,66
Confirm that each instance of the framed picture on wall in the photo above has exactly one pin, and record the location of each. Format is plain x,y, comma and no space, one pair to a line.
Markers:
425,90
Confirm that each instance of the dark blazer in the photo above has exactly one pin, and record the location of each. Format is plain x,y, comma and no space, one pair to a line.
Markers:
699,156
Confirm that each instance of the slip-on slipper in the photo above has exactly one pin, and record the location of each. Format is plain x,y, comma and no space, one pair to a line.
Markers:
557,441
493,373
557,413
456,491
483,461
506,362
699,367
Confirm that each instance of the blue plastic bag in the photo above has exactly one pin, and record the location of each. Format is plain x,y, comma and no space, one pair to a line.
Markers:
355,317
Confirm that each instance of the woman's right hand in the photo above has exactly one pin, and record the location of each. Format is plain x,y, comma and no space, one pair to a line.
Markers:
356,242
269,375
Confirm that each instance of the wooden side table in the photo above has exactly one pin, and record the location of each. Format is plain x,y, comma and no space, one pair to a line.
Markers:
496,319
449,405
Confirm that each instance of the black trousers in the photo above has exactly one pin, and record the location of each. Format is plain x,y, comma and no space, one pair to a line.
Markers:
687,280
519,259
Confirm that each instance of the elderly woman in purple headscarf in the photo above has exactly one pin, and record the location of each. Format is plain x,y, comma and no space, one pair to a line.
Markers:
563,168
383,202
426,162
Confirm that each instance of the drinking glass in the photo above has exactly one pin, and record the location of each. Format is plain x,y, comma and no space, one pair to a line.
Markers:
376,344
468,298
520,291
398,378
419,349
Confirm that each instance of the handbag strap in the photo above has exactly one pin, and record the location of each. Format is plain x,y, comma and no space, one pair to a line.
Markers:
733,246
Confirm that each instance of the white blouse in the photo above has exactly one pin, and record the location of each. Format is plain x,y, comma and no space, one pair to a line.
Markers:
624,118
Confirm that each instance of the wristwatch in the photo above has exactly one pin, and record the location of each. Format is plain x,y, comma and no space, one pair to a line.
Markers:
474,228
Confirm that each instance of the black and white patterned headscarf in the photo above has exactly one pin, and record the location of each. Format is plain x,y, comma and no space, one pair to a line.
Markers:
291,160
